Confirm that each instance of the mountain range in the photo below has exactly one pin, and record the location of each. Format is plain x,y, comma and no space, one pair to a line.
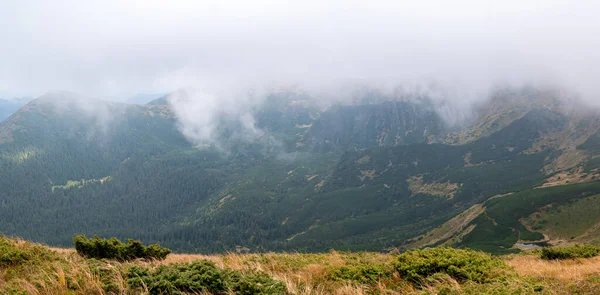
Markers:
382,173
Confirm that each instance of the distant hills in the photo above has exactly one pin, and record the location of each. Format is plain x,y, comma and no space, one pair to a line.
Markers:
377,174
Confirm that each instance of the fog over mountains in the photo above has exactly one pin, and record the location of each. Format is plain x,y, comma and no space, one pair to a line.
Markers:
301,126
119,49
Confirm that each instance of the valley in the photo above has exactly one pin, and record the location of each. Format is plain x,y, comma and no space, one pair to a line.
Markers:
384,173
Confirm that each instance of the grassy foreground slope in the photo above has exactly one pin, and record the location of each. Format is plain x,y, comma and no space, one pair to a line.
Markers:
27,268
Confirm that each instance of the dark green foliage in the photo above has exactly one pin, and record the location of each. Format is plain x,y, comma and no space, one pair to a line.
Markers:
10,255
114,249
460,264
13,253
201,276
253,283
362,273
572,252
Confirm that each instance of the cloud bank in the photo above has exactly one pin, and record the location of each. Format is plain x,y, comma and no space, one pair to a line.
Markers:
225,54
201,111
120,48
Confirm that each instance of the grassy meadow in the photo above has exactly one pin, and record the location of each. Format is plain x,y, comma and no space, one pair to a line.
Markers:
28,268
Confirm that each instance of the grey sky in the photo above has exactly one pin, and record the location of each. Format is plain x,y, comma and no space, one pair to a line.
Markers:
119,48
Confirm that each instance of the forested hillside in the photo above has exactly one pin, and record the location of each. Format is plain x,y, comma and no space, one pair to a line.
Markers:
378,174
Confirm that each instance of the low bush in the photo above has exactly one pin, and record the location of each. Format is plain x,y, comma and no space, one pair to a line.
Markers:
200,277
14,253
462,265
572,252
362,273
114,249
11,255
253,283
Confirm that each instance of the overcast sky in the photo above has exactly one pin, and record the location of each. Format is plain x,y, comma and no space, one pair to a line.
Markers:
117,49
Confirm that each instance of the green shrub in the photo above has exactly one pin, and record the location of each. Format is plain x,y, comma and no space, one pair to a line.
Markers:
253,284
462,265
572,252
13,253
201,276
362,273
114,249
12,256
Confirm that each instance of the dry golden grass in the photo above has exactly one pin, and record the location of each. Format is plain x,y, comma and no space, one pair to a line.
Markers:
565,270
306,274
55,276
62,250
303,274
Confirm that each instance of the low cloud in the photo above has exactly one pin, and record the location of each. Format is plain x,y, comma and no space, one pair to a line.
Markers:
228,54
201,111
117,49
103,116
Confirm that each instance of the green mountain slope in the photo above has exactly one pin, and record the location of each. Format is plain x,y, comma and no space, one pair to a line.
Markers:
358,177
363,126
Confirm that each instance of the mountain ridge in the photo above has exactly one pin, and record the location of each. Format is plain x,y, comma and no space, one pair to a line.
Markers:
312,180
